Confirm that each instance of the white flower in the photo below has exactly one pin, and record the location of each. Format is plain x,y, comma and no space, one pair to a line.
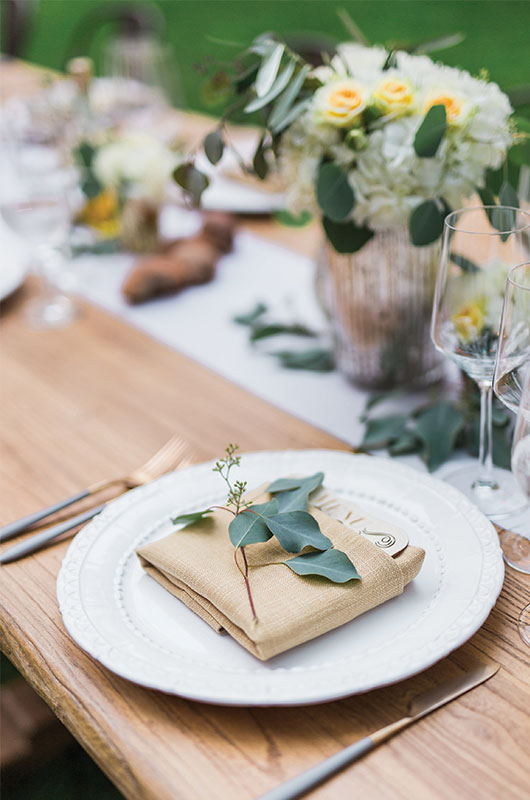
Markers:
141,162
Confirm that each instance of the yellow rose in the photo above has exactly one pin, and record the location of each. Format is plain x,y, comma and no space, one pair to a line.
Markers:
469,321
341,102
102,213
394,94
455,106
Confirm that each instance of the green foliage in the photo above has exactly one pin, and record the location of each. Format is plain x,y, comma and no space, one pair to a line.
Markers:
465,264
214,146
192,518
427,221
335,196
249,527
276,328
437,429
289,220
192,181
251,316
331,564
259,162
346,237
296,530
293,493
316,359
431,132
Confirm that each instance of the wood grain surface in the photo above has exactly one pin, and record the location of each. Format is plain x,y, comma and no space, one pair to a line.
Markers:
96,399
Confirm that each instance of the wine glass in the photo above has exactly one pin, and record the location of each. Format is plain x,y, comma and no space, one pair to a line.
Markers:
480,246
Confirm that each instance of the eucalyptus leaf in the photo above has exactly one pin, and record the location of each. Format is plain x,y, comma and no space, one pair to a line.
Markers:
431,132
346,237
487,197
250,317
191,180
314,360
465,264
191,518
297,497
335,196
214,146
259,162
275,329
508,195
287,484
331,564
277,88
296,530
438,427
295,111
85,154
408,442
284,217
249,527
285,102
380,432
90,186
268,70
426,222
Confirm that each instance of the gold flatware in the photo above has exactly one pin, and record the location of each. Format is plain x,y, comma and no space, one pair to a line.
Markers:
419,707
173,454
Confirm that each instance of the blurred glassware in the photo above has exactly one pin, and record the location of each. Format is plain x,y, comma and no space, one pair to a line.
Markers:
513,357
37,196
480,246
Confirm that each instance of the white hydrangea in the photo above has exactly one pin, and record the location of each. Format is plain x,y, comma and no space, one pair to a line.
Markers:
388,178
142,162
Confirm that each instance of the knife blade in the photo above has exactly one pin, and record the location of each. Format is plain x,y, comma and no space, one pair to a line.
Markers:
420,705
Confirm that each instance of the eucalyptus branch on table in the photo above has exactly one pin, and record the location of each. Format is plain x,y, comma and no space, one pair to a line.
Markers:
319,358
436,429
286,517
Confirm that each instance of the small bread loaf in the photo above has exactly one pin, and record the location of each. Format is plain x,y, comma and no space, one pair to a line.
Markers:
181,262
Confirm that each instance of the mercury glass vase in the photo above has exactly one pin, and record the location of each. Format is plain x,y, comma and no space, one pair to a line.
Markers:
379,303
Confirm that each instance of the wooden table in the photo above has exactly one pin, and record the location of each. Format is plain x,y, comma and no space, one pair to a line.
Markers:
95,400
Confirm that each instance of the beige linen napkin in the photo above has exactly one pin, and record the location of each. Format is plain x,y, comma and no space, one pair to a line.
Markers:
196,564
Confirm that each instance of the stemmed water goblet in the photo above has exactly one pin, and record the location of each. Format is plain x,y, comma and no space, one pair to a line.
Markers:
512,386
480,246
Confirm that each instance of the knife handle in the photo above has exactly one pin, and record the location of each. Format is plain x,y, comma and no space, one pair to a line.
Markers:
25,522
40,539
302,783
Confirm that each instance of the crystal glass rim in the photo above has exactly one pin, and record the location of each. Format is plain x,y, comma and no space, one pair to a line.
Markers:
465,210
511,279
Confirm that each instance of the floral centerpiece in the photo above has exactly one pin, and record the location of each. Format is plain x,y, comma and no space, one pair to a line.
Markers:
124,180
380,145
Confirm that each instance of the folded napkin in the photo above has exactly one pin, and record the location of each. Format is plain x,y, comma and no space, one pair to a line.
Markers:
196,564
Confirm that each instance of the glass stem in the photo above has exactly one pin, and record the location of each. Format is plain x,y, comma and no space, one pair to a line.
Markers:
485,474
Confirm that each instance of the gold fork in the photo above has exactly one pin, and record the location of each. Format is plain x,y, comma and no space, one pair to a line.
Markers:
173,454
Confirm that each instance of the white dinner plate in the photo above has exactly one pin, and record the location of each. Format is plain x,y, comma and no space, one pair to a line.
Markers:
129,623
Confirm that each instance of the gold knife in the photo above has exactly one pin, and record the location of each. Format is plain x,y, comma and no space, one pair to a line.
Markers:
419,707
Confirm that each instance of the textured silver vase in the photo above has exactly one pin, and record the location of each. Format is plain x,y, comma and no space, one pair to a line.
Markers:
379,303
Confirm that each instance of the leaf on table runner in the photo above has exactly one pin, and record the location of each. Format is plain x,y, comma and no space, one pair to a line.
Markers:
408,442
191,180
331,564
251,316
296,530
268,70
427,221
382,431
259,162
189,519
315,360
335,196
277,88
249,525
285,101
465,264
276,328
293,494
431,132
437,427
284,217
346,237
214,146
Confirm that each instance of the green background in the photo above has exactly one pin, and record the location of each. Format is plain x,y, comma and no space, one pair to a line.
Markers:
496,31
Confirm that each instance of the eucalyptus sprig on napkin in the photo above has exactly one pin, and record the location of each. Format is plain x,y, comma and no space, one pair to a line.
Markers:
286,516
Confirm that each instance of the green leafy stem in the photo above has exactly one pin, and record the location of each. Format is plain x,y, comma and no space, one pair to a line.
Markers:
286,517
